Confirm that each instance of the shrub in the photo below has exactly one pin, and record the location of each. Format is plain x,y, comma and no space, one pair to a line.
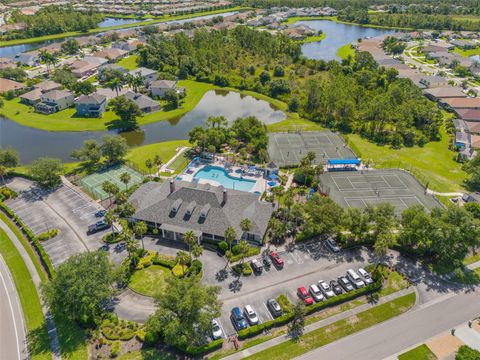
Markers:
204,349
115,349
245,269
7,193
252,251
284,303
146,260
47,235
223,246
196,267
179,270
235,250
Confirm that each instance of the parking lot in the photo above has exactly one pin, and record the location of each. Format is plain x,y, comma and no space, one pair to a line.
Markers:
304,266
65,209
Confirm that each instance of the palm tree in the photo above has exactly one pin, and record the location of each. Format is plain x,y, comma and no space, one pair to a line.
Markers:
197,251
246,225
140,229
243,247
157,160
134,81
110,219
45,57
115,84
190,239
125,178
149,165
111,189
183,258
230,236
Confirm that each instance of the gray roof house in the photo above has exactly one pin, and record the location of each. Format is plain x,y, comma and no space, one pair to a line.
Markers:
158,88
92,105
33,97
145,103
54,101
148,75
177,206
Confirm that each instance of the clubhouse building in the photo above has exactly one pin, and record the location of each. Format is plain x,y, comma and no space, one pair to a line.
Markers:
177,206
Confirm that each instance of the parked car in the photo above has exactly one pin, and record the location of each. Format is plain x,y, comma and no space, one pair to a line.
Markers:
98,226
304,295
274,307
345,283
266,262
238,320
325,288
355,279
100,213
250,314
216,330
332,245
277,260
256,266
316,293
366,276
336,288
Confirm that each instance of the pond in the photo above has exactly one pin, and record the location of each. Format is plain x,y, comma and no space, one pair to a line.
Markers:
33,143
107,22
337,35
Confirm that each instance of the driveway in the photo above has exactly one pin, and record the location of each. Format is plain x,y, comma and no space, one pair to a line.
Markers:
63,208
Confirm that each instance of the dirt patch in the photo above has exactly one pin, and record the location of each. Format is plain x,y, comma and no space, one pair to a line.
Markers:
444,345
352,320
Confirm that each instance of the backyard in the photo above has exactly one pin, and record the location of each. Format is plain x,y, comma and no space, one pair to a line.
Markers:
166,150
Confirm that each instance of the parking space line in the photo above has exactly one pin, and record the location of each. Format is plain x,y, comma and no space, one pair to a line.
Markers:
269,315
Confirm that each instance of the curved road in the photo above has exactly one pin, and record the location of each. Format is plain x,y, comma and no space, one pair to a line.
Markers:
13,338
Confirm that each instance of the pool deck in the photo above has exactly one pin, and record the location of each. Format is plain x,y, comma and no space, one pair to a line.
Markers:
261,184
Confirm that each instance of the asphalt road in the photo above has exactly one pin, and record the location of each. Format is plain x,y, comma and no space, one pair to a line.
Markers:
12,330
388,338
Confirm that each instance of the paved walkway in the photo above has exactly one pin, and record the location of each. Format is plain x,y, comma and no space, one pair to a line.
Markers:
52,330
289,181
444,194
469,336
319,324
474,265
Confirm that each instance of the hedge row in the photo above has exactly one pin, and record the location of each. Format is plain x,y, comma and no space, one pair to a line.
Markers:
204,349
284,319
44,259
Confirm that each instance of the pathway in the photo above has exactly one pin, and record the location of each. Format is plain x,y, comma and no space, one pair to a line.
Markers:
289,181
52,330
431,192
468,335
164,167
319,324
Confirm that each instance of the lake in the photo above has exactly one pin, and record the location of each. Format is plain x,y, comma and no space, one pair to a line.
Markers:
33,143
337,35
107,22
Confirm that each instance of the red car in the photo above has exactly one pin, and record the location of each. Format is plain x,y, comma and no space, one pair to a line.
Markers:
276,259
304,295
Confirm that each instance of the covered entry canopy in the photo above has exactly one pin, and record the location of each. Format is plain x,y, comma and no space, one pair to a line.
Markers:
344,162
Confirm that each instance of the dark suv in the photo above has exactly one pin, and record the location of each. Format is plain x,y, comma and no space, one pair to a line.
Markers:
98,226
274,307
238,320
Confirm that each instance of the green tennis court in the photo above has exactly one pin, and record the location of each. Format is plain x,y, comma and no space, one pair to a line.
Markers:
93,183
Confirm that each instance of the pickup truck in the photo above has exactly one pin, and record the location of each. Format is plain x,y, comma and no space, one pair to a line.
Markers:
98,226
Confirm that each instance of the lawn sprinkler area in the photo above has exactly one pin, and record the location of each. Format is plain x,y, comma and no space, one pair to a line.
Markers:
92,184
288,148
372,187
220,172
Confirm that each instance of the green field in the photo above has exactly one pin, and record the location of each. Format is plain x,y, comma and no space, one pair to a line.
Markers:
421,352
39,342
468,52
315,38
434,163
345,51
293,124
342,328
166,150
129,62
149,281
117,27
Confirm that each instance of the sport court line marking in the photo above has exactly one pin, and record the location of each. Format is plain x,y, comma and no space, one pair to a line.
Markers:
394,187
11,308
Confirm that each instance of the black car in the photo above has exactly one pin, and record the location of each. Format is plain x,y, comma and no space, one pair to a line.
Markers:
345,283
100,213
337,289
256,266
98,226
266,262
274,307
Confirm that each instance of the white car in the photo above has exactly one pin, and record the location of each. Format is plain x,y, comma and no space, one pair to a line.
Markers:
355,279
366,276
250,314
316,293
217,330
326,289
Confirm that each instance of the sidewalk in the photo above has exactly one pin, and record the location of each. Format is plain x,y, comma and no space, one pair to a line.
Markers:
52,330
319,324
469,336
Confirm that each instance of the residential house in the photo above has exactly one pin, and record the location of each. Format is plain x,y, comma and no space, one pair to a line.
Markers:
6,62
429,81
111,94
10,85
444,93
145,103
54,101
461,103
158,88
34,96
148,75
111,54
93,105
107,67
176,207
468,114
464,44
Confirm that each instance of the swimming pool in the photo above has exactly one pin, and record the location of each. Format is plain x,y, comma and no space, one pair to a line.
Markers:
219,175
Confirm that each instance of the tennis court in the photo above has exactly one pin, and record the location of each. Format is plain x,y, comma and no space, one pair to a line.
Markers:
93,183
372,187
287,149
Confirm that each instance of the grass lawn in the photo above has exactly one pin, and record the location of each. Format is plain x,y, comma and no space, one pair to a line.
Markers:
313,38
147,354
39,342
434,163
129,62
468,52
149,281
295,124
395,282
345,51
337,330
157,20
421,352
166,150
179,164
471,259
